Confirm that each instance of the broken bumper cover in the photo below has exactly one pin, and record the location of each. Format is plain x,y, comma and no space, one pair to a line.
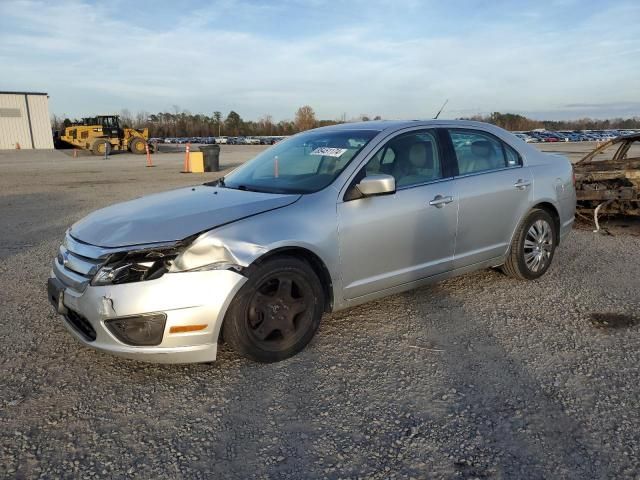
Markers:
185,298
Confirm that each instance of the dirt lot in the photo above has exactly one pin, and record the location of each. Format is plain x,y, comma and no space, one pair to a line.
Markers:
477,377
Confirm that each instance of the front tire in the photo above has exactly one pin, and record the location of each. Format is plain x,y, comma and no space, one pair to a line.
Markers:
137,146
277,311
101,146
533,247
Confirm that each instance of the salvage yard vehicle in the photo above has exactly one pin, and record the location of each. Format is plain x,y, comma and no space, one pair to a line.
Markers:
103,134
324,220
608,178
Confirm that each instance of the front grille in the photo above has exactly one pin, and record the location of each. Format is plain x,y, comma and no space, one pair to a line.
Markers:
77,263
81,325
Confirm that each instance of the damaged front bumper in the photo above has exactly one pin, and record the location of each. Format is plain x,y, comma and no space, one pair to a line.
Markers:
185,299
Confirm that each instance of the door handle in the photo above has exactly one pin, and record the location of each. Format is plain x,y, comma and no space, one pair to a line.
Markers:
439,201
522,184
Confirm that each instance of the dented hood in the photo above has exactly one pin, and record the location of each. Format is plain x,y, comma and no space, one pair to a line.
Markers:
173,215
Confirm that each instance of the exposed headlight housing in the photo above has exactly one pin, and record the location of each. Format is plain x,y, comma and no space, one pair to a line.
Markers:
152,263
135,267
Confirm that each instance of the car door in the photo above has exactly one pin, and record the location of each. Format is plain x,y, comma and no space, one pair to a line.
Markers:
494,191
390,240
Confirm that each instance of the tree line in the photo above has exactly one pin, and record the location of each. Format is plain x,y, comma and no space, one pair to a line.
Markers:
515,122
185,124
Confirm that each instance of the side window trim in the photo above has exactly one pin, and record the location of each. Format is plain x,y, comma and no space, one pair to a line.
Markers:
502,143
422,184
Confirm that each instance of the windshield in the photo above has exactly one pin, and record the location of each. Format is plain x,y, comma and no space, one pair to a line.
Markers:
304,163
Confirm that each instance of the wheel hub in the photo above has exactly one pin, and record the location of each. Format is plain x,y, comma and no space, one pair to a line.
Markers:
276,308
538,245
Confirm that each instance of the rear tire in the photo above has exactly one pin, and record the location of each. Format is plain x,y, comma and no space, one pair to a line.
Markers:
137,146
277,311
99,147
532,247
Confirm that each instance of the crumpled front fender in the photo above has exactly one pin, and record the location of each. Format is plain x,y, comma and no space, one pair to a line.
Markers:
209,248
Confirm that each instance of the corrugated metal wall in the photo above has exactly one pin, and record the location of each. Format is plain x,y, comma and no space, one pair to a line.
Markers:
40,121
15,111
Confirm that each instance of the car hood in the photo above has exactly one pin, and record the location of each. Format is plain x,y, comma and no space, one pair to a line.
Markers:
172,215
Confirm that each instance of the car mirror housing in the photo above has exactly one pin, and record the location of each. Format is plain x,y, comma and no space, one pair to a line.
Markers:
372,185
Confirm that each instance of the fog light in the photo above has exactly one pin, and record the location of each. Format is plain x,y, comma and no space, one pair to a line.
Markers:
142,330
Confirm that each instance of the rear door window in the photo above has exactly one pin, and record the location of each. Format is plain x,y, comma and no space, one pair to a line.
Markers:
478,151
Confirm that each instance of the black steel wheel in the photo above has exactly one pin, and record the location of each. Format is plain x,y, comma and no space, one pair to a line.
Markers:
276,312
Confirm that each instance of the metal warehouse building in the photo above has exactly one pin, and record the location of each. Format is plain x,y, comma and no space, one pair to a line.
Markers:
24,120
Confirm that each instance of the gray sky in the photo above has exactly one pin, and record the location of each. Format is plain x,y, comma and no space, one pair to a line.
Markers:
551,59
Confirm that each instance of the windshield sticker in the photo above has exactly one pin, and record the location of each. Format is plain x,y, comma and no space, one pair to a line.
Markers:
328,151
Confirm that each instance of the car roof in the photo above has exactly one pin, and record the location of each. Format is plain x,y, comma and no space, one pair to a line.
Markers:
381,125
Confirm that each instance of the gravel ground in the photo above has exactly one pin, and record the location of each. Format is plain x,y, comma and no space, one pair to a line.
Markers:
476,377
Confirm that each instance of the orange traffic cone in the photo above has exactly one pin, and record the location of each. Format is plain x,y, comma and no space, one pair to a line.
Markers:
187,166
149,162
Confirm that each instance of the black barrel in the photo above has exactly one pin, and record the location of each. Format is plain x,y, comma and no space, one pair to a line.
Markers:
211,157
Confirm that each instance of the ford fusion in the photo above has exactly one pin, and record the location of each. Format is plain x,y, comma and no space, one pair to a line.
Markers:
325,220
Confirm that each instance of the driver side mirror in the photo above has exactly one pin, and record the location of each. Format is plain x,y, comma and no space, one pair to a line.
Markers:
380,184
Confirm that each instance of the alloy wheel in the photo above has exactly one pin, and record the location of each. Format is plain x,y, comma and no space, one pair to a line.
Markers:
538,245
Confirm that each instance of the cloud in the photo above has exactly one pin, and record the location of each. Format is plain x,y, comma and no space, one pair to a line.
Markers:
631,104
399,62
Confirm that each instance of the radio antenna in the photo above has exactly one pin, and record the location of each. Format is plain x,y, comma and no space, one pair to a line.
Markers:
441,108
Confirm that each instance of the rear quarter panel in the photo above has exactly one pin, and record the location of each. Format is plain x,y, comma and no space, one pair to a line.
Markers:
553,183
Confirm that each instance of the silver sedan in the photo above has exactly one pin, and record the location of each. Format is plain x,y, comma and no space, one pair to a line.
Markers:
325,220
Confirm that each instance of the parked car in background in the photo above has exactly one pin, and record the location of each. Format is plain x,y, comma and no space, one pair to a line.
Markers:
254,256
526,138
572,137
532,136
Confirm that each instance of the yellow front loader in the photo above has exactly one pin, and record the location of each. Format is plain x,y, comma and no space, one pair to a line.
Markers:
103,134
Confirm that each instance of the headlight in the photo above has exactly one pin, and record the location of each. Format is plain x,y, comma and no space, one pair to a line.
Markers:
134,267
